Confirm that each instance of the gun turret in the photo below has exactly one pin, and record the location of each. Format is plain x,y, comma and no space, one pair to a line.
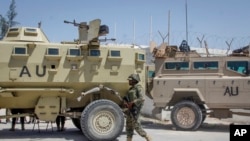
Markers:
91,32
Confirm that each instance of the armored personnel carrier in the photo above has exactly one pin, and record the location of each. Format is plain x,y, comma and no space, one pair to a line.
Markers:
191,86
82,79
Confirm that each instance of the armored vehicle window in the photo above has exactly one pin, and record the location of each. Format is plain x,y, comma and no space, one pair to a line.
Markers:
177,65
115,53
206,65
141,56
13,32
20,50
238,66
74,52
94,52
151,74
30,32
53,51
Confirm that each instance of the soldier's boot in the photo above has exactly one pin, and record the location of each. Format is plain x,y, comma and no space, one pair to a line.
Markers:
148,138
129,139
12,127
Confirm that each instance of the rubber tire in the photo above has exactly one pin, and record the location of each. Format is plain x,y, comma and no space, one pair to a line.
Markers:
102,107
191,107
77,123
204,113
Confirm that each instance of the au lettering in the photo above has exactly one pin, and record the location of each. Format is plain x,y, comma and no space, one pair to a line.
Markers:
25,71
231,92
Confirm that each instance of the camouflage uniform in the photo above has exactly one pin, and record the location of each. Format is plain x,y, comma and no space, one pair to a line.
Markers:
133,122
134,102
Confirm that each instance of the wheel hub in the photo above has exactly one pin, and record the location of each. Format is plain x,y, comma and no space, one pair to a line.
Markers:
186,116
103,122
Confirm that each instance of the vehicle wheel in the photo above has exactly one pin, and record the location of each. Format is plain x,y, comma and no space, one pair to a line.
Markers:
204,113
102,120
186,115
77,123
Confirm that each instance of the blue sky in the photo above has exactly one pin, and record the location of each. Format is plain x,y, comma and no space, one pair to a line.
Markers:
218,20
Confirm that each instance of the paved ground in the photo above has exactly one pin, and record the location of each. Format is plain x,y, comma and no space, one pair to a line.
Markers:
211,130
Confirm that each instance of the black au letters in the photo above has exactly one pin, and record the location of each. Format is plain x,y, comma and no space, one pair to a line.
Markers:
230,91
25,71
37,71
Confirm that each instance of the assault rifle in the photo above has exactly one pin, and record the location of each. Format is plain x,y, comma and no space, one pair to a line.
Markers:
133,110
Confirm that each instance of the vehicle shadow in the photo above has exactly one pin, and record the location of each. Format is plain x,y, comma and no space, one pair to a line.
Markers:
72,134
206,127
29,134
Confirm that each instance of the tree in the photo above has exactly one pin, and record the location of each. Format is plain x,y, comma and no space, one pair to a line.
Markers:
5,24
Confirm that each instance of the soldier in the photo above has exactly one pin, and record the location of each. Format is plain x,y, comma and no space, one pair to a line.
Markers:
134,102
60,122
7,113
16,111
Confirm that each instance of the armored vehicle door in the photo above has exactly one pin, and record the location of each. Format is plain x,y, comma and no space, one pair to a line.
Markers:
230,91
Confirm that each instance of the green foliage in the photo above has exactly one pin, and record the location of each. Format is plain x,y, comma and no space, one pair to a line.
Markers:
6,23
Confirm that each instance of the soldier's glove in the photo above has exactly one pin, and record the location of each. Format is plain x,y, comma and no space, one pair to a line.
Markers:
130,105
125,104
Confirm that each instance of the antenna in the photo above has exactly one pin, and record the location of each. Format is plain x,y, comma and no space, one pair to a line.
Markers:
134,31
169,27
150,32
115,31
186,23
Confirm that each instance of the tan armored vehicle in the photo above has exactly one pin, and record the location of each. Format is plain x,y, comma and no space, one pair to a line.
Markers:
84,79
192,86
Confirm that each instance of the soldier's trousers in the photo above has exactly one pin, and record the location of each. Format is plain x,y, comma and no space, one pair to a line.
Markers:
132,125
17,111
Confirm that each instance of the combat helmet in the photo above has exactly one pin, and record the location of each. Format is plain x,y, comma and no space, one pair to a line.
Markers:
134,77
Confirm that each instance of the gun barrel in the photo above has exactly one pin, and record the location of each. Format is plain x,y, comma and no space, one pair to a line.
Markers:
66,21
74,23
